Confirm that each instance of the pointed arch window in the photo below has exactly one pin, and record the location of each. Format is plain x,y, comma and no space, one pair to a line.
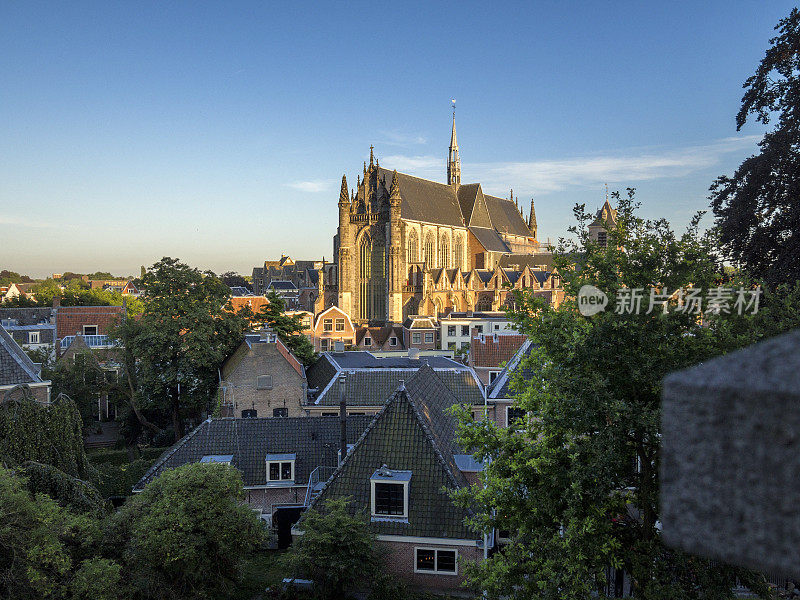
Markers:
430,250
444,251
372,271
412,247
458,252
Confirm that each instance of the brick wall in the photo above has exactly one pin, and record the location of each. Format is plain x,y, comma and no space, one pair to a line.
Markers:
241,380
400,560
266,499
71,319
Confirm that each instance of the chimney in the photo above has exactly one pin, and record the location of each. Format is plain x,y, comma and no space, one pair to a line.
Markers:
338,346
56,301
342,418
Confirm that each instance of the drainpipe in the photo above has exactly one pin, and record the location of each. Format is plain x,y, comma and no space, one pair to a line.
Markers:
342,419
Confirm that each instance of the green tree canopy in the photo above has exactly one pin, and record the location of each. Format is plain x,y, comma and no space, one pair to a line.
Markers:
336,551
576,480
756,210
186,535
182,337
288,328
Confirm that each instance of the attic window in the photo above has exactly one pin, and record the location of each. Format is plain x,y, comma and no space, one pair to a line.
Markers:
280,467
393,341
339,324
90,330
390,494
368,341
264,382
218,459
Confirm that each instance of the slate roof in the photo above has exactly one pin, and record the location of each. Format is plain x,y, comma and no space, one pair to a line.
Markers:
28,316
15,365
315,441
494,350
489,239
281,285
505,216
503,386
412,432
419,323
425,200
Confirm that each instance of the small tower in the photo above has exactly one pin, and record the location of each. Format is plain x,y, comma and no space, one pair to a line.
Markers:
345,249
453,160
532,220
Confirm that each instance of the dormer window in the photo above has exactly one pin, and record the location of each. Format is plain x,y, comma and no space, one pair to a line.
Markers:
389,489
280,468
368,341
217,459
393,341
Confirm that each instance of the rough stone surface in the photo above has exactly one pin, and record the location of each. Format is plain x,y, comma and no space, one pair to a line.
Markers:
730,469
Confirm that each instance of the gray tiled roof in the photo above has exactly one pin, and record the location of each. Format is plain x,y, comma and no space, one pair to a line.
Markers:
505,384
28,316
505,216
412,432
425,200
489,239
15,366
539,260
315,441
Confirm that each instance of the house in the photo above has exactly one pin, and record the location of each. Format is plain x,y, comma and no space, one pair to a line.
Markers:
420,332
262,378
238,290
15,290
457,328
400,472
281,461
94,323
130,289
381,339
17,369
332,325
107,360
366,381
489,353
30,327
288,292
256,303
501,392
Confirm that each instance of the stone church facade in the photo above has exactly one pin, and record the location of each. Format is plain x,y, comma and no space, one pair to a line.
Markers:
408,246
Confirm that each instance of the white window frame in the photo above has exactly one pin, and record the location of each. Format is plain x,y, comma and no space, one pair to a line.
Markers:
280,470
33,337
368,341
324,344
508,408
431,340
493,375
393,341
326,323
339,324
404,516
436,570
416,338
96,330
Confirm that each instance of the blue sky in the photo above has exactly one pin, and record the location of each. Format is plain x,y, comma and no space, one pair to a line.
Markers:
219,132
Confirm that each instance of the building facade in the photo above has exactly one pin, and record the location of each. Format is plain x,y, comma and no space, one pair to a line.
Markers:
407,246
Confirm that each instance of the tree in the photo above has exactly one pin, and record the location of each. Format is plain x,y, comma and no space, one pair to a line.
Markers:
336,551
186,535
576,480
289,329
756,210
46,549
183,336
233,279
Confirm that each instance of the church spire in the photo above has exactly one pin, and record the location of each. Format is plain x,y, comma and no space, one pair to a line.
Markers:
532,220
453,160
371,157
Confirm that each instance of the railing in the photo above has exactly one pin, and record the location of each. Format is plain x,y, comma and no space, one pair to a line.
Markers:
315,480
412,288
365,218
93,341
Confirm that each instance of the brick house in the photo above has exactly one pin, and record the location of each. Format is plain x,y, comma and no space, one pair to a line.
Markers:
278,459
30,327
369,380
94,323
420,332
399,472
489,353
16,368
262,378
332,325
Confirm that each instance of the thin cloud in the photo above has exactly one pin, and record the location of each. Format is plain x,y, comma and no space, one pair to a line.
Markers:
21,222
312,187
544,176
399,138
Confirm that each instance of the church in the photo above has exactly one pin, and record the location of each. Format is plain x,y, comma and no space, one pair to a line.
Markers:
410,246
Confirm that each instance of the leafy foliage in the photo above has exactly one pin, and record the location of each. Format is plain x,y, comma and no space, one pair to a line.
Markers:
584,497
288,328
756,210
70,492
186,535
336,551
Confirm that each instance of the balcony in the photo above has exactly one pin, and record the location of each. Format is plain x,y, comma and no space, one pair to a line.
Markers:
93,341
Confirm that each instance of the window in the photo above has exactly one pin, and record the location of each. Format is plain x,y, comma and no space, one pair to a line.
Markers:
431,560
429,250
33,337
444,252
451,330
512,414
264,382
465,330
416,338
602,238
496,327
368,341
280,412
458,249
90,330
390,494
280,467
428,338
327,324
323,344
478,329
451,345
493,375
393,341
339,324
330,414
413,243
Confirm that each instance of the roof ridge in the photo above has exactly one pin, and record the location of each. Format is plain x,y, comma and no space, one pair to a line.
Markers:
172,450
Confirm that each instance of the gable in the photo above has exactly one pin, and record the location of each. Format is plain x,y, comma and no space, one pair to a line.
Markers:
480,213
425,200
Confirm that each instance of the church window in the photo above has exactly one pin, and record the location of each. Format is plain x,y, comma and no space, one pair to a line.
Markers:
444,252
412,247
430,251
372,297
458,251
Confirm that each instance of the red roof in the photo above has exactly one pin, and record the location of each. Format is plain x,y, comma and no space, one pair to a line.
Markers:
495,349
254,302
